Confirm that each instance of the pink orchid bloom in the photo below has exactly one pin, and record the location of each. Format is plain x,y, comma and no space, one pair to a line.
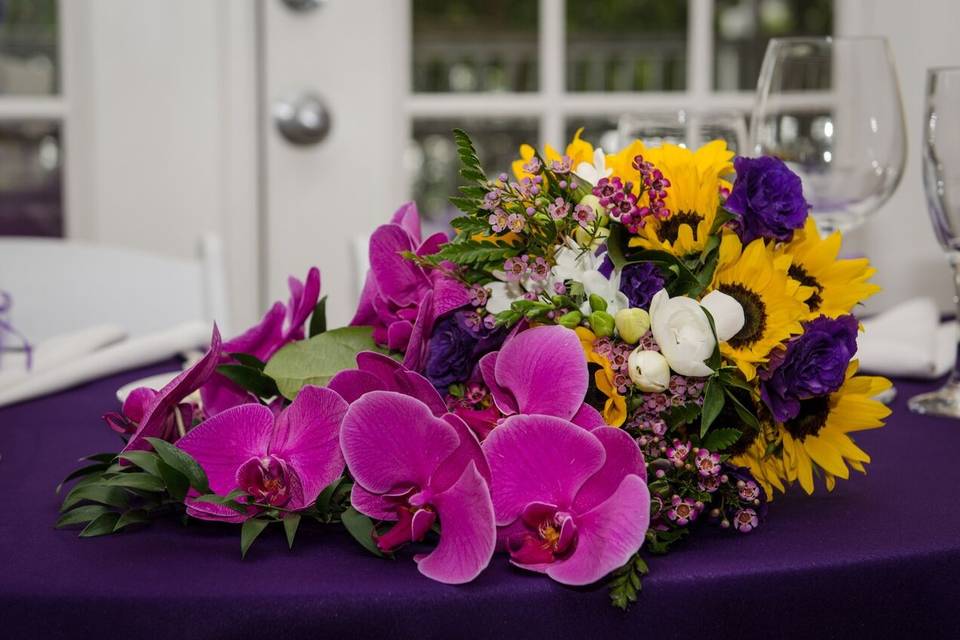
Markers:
282,324
162,414
541,371
415,468
377,372
569,502
401,300
283,460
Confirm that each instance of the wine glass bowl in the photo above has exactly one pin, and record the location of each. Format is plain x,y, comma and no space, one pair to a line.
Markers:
830,108
941,181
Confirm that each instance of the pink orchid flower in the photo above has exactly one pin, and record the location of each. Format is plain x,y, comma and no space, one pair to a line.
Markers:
282,324
282,461
414,468
569,502
401,300
377,372
541,371
163,414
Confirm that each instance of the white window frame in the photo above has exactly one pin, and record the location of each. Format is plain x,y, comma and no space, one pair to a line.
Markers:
552,106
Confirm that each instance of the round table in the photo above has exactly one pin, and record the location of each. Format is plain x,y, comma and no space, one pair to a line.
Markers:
878,557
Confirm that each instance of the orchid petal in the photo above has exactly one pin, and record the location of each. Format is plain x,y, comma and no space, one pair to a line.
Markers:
398,279
262,339
467,531
545,370
156,415
607,536
502,398
422,328
303,300
307,436
448,295
398,335
378,364
416,386
588,417
623,458
466,452
408,217
137,403
220,393
213,512
389,439
223,443
432,244
353,383
373,504
539,459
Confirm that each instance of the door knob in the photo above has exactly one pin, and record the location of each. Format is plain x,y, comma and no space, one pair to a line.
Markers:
303,5
304,120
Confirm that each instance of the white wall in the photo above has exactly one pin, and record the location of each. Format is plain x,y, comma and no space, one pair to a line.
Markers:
899,239
161,129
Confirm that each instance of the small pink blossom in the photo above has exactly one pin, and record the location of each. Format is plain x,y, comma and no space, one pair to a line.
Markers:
498,220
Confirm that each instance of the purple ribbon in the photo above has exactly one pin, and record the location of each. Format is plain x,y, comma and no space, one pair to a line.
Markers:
7,329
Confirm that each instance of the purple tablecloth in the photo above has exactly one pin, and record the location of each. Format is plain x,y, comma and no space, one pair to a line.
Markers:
879,557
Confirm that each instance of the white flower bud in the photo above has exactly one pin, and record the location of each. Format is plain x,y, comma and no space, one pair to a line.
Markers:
648,370
632,324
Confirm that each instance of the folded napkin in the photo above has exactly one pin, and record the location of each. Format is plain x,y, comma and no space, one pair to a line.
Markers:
129,354
909,340
56,351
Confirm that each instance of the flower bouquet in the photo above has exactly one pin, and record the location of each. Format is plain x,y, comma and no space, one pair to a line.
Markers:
609,352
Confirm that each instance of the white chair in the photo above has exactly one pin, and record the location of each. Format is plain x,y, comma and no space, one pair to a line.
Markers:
61,286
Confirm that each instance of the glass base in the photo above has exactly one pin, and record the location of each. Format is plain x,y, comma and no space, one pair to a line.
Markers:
945,401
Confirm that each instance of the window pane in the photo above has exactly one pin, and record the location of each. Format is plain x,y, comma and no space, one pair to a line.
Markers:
432,158
627,45
743,27
600,132
30,198
684,128
474,45
28,47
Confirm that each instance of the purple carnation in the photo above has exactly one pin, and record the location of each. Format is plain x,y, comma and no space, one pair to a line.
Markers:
767,199
813,364
639,282
457,343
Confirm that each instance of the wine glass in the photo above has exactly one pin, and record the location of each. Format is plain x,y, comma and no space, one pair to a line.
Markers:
830,108
941,181
684,128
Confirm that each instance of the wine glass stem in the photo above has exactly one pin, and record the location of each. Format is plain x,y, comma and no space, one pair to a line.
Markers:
954,258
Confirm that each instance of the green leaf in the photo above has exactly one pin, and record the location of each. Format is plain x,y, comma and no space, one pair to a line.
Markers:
743,412
79,515
177,483
249,532
323,500
136,516
249,361
361,528
144,481
112,496
713,401
625,583
82,471
230,500
616,242
732,377
719,439
101,526
183,462
251,379
105,458
318,359
318,320
146,460
683,414
290,524
714,360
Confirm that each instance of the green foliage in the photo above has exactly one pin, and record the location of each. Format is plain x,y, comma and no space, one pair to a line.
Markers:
361,528
720,439
250,531
713,400
625,583
659,542
250,379
318,359
318,320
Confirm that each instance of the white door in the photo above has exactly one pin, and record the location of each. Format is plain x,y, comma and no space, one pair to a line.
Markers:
398,75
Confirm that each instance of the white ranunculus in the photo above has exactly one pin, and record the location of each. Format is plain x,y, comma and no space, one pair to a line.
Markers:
683,333
593,172
649,370
727,314
502,295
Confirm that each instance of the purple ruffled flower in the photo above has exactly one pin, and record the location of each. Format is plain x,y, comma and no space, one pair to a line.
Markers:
639,282
813,364
456,346
767,199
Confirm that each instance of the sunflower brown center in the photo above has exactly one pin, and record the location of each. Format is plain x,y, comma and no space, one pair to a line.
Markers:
669,229
754,315
811,419
800,274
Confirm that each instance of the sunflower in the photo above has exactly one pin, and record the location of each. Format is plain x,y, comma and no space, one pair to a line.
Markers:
578,151
819,435
773,303
615,407
768,470
839,285
696,178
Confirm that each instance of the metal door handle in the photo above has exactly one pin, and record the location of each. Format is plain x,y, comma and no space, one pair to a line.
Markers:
304,120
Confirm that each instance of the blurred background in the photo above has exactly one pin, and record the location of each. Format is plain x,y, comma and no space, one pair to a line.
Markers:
290,128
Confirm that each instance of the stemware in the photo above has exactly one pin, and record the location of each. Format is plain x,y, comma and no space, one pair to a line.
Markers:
830,108
685,128
941,181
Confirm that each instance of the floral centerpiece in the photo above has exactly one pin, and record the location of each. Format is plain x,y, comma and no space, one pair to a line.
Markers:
609,352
